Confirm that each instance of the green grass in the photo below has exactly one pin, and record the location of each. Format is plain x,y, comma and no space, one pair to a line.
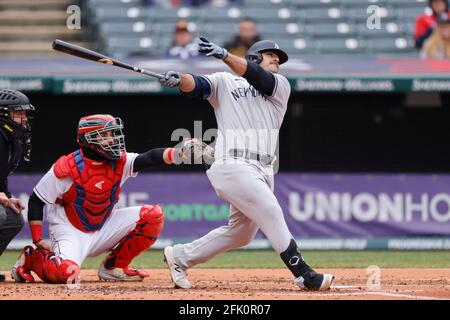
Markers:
269,259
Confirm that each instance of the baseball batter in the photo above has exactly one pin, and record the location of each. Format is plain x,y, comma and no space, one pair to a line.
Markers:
79,196
249,107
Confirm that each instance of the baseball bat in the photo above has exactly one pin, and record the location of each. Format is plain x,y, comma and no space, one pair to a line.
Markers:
84,53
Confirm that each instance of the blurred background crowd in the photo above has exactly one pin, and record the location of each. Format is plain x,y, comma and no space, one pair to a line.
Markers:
169,28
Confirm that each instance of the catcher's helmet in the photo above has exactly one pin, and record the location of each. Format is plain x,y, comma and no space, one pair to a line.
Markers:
254,53
102,133
10,101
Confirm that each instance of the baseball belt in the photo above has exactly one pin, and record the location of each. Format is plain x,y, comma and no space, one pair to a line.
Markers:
264,159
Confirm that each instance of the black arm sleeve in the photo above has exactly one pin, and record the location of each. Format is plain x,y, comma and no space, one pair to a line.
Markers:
35,208
264,81
151,158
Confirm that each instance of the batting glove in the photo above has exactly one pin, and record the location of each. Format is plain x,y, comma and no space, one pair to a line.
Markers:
211,49
172,79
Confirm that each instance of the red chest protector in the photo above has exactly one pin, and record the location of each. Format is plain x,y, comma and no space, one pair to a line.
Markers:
94,191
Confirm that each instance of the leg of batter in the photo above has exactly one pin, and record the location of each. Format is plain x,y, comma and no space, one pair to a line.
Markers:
239,232
248,189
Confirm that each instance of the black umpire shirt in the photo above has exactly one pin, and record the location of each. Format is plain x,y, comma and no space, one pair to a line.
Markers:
4,165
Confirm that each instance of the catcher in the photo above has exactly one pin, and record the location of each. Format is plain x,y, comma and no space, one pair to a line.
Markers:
79,196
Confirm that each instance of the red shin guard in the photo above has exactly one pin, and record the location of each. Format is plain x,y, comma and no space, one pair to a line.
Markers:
138,240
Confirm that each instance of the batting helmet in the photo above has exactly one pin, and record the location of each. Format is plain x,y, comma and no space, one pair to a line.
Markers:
254,53
11,101
102,133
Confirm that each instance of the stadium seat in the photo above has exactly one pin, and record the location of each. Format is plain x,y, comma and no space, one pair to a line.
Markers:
113,3
411,13
219,28
332,46
220,14
363,3
269,29
264,3
303,26
116,15
397,45
387,30
132,45
408,27
331,30
115,28
172,15
409,3
322,15
315,3
296,45
267,15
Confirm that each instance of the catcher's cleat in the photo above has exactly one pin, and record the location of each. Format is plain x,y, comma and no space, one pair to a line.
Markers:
314,281
19,272
119,274
179,276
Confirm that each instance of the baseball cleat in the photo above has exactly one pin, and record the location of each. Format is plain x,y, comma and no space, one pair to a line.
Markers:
179,277
18,271
119,274
314,281
2,277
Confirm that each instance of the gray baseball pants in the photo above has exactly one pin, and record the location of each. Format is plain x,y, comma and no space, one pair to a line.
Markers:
248,187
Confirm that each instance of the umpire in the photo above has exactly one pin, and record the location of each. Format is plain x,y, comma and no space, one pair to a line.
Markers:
15,143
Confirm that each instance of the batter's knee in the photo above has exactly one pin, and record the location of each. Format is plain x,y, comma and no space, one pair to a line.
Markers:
244,232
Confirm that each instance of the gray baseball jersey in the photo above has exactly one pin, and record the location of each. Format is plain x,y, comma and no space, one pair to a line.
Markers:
246,119
250,120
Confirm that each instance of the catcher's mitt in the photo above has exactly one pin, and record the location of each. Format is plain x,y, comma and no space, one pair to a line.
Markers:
194,151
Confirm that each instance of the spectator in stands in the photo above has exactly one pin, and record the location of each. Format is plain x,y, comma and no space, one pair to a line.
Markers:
183,47
426,23
437,46
246,36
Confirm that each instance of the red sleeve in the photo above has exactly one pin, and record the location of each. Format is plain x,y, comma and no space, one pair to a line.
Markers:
423,23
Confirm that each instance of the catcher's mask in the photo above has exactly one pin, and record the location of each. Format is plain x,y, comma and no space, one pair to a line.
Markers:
16,116
103,134
254,53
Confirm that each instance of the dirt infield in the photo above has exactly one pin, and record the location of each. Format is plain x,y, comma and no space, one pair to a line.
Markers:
251,284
